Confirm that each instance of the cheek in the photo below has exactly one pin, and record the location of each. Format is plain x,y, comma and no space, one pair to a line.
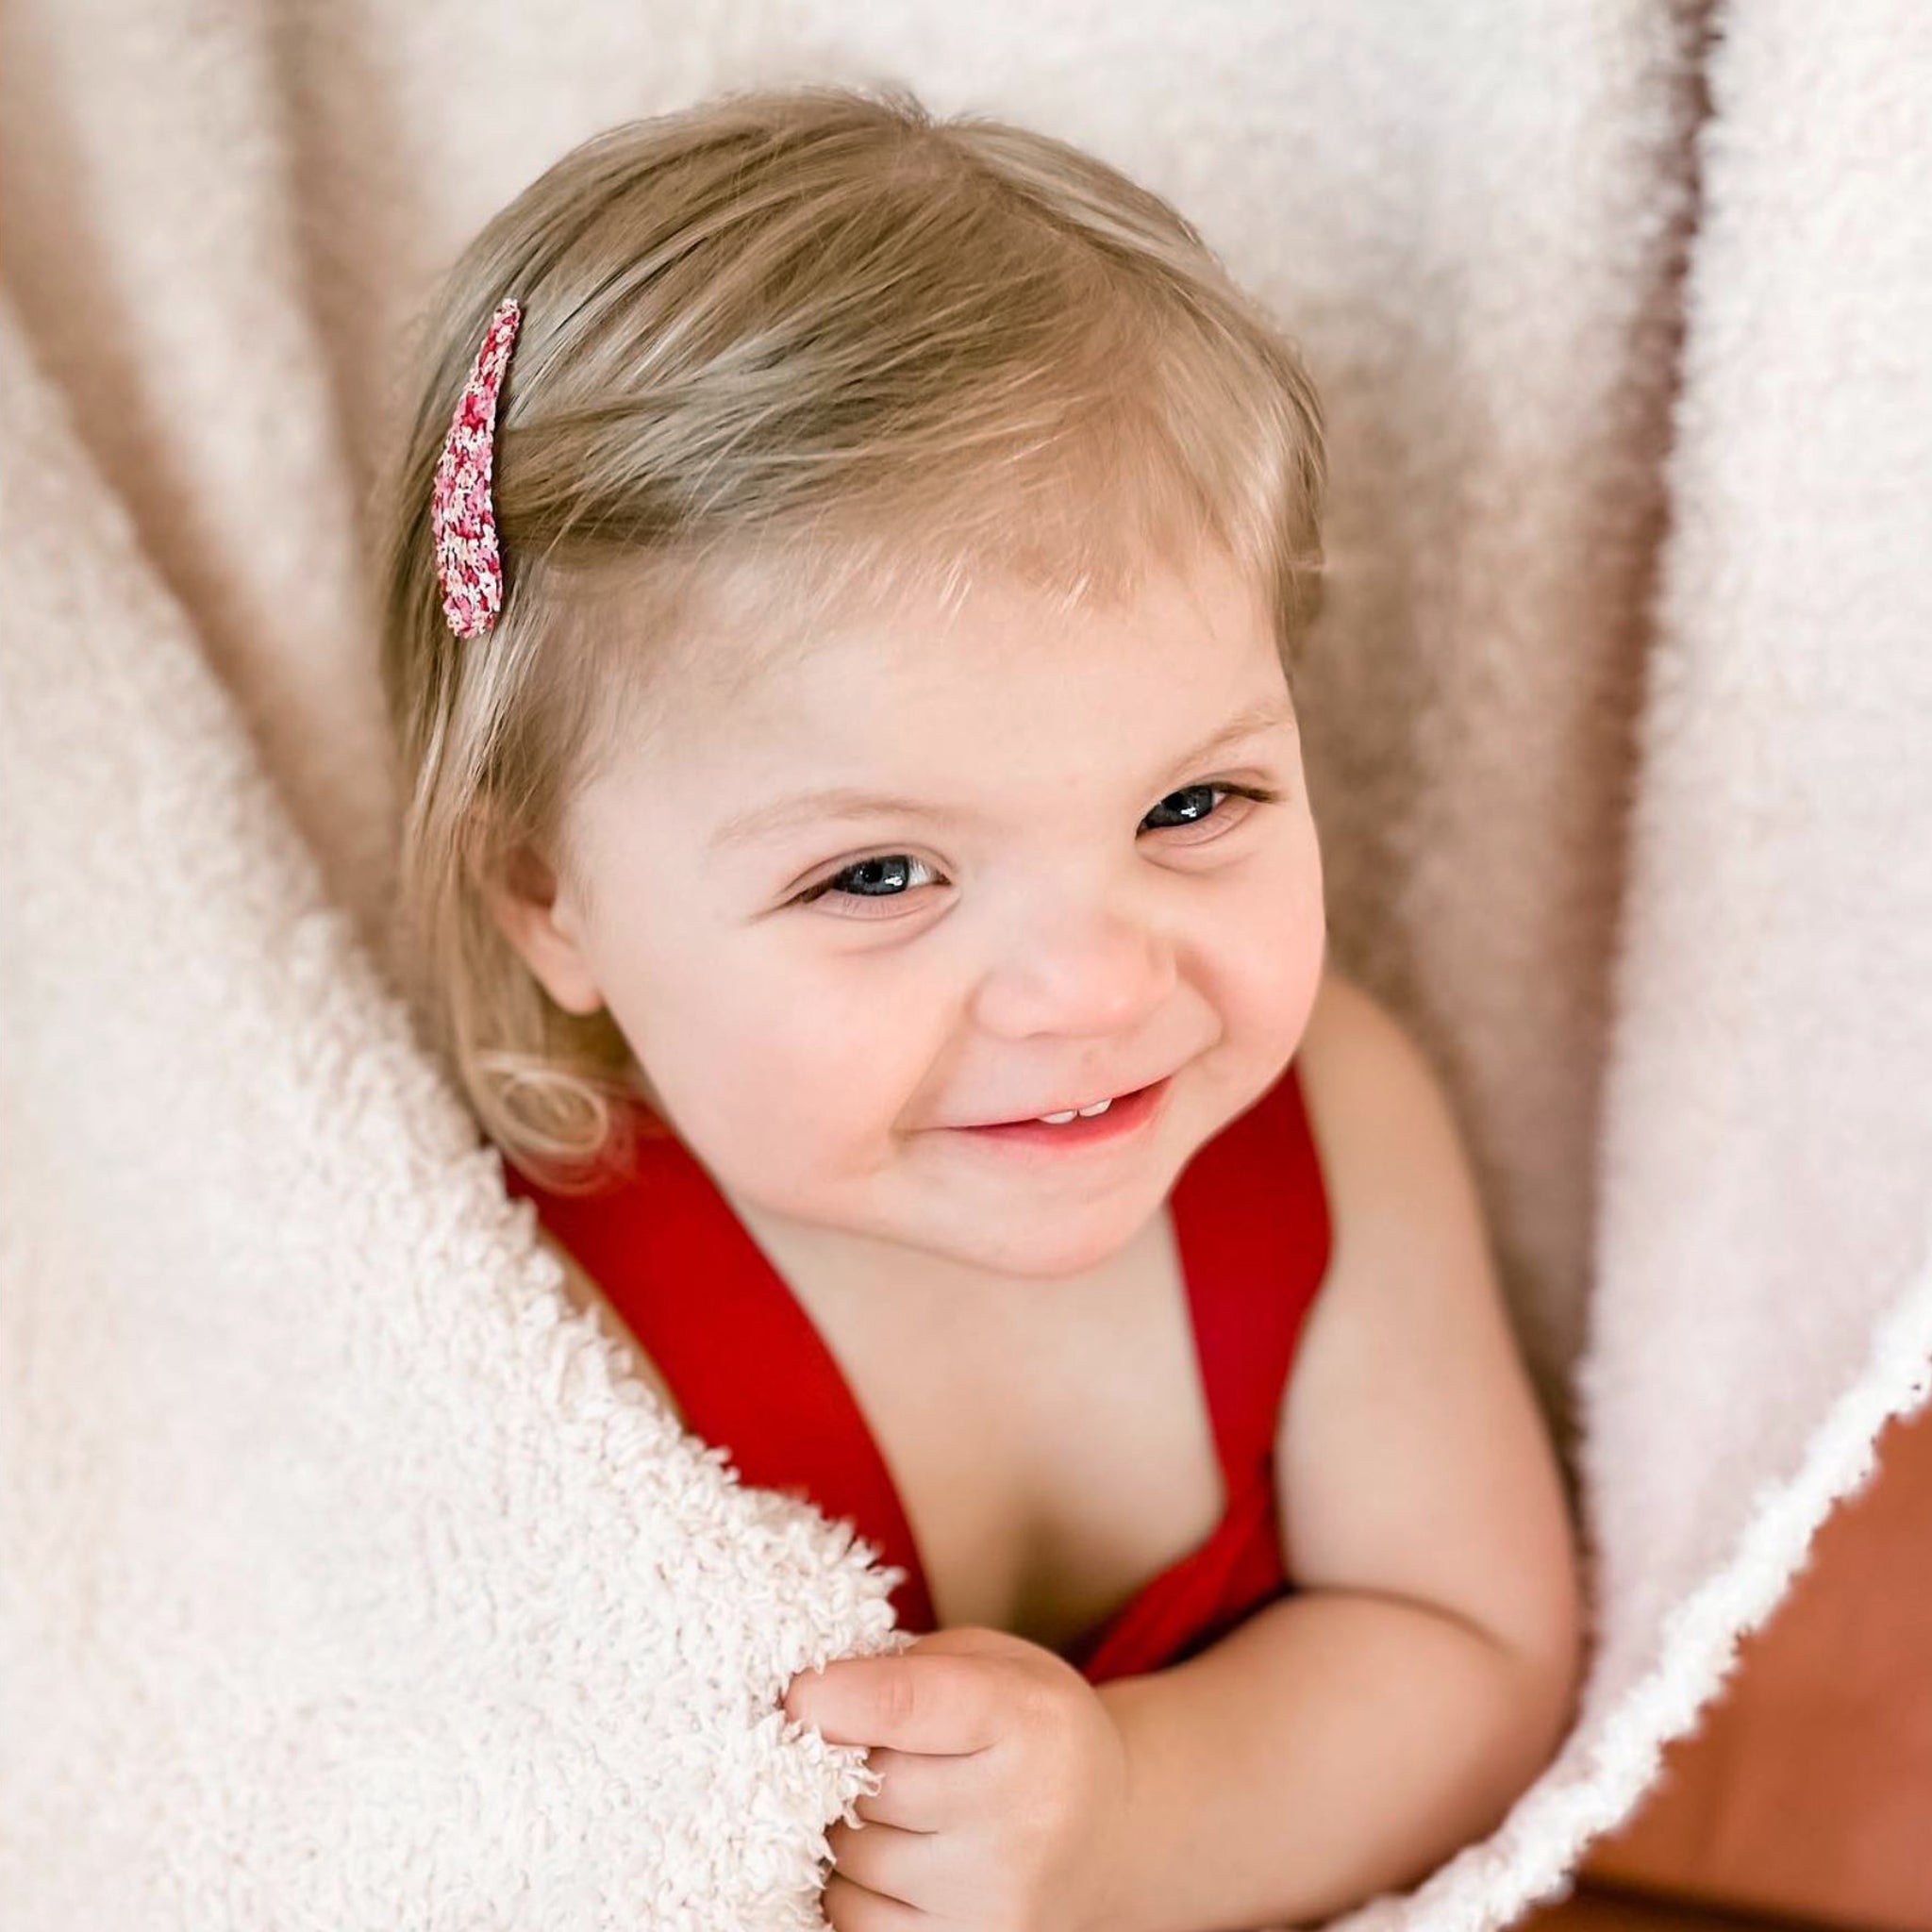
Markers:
792,1062
1270,956
711,1039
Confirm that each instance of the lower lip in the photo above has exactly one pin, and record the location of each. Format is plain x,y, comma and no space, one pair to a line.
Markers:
1130,1115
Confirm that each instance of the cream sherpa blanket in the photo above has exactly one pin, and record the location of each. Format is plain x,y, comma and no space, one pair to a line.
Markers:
347,1579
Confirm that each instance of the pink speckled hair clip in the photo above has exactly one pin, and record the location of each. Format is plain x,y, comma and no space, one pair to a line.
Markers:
468,562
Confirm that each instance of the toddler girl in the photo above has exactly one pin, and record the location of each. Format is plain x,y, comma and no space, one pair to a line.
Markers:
845,580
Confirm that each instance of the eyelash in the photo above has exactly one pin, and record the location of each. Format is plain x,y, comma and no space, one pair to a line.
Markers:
1259,794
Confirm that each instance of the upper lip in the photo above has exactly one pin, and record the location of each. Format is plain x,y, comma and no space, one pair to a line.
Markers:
1013,1119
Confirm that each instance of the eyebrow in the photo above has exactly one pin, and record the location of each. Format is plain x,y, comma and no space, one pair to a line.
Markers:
842,802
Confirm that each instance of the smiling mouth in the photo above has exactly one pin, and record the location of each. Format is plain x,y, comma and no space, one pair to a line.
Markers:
1104,1123
1092,1110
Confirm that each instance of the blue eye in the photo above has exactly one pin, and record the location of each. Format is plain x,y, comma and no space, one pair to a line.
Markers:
894,864
885,875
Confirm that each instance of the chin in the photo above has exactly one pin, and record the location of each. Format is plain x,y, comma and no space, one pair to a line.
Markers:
1052,1254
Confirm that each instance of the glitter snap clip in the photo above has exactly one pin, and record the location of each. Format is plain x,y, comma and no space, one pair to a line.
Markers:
469,562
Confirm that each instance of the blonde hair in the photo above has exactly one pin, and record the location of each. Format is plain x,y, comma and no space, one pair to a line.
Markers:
818,330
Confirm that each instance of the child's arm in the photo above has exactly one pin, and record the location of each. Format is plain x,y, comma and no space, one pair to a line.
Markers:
1345,1742
1329,1748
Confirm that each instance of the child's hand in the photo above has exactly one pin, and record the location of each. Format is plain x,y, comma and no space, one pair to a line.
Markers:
1004,1795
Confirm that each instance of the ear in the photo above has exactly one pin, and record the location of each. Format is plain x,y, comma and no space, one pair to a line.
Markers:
524,898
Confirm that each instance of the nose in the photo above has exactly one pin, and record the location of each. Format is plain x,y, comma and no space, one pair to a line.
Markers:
1096,973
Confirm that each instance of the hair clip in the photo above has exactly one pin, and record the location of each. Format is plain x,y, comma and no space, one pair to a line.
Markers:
469,563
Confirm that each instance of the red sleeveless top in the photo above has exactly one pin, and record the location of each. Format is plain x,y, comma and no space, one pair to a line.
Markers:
753,1375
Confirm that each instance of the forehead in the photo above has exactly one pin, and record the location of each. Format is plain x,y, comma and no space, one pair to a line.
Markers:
926,666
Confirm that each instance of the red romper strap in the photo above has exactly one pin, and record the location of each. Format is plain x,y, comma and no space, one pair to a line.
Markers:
750,1371
1250,1219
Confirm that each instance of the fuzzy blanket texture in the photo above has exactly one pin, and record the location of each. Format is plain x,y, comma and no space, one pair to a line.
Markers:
348,1579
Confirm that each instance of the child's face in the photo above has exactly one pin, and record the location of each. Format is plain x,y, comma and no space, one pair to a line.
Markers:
1024,944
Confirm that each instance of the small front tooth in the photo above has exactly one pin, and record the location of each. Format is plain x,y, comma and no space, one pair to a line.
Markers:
1066,1116
1098,1107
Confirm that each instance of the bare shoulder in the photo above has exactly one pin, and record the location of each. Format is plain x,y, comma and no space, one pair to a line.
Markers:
584,1296
1412,1456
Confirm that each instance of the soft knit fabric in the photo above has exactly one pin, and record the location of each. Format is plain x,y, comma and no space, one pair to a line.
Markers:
753,1375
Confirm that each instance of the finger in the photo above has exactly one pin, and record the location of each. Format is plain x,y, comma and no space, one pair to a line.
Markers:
850,1908
919,1793
946,1704
899,1865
